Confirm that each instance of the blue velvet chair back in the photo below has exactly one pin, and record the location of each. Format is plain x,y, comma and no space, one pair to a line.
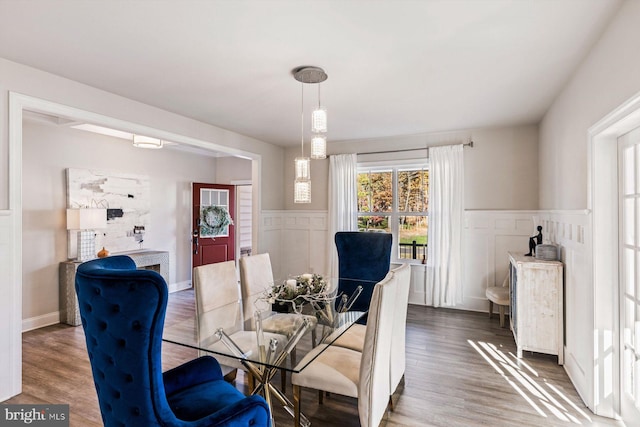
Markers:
123,311
363,259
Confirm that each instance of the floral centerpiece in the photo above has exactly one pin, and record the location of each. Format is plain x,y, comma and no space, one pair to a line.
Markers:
303,289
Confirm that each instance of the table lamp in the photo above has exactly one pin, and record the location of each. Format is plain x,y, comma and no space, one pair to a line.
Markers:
86,221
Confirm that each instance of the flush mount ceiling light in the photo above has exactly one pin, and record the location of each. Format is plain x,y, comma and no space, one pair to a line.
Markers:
302,183
142,141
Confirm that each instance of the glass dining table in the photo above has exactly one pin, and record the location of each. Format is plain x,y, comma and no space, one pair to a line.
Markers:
270,341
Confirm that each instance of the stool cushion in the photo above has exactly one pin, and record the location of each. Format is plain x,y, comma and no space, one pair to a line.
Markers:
498,295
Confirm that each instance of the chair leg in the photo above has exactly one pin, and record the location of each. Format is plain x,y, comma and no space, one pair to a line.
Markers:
313,338
251,382
283,373
296,405
320,397
501,311
390,403
231,376
490,309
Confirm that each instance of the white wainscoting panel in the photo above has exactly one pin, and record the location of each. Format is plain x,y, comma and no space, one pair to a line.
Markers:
571,231
296,241
488,237
10,306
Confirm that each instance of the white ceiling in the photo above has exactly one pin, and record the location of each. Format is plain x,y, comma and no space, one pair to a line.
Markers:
395,67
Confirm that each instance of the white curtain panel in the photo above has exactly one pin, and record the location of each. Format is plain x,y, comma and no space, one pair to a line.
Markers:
343,202
446,213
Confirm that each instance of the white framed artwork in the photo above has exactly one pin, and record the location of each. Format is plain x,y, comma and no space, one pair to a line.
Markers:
125,196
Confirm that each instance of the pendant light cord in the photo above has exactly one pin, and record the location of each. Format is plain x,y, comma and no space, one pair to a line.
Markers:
302,121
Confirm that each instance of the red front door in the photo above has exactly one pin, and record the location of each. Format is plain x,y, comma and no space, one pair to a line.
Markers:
213,241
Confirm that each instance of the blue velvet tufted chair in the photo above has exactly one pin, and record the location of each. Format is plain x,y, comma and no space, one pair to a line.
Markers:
363,259
122,312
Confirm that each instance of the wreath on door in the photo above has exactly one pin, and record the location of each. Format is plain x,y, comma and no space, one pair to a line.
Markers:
214,221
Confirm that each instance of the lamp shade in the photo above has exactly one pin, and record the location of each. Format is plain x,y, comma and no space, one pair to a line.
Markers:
86,219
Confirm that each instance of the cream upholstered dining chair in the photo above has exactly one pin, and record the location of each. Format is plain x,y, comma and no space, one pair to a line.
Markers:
499,295
256,276
354,337
218,306
363,375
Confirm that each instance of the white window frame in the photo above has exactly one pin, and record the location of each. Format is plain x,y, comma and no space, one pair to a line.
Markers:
394,216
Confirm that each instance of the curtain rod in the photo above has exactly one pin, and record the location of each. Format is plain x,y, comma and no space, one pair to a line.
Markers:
468,144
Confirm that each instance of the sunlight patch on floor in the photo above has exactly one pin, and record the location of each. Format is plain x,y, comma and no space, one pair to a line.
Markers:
546,399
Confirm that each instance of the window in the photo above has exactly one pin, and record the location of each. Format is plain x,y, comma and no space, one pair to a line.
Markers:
395,200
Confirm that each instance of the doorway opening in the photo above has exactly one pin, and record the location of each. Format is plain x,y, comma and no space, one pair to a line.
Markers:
608,277
18,105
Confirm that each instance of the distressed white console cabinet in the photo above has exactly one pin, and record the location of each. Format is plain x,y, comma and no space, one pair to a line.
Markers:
536,310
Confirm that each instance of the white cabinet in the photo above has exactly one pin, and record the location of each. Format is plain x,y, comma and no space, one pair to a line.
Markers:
536,310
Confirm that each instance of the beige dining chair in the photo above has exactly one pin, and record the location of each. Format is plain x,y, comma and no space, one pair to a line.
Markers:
256,276
354,337
363,375
218,306
499,295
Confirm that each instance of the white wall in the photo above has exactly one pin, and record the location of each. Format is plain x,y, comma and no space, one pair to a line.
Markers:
47,151
232,169
501,170
609,75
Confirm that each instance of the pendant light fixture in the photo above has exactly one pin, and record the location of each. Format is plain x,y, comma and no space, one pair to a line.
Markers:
302,183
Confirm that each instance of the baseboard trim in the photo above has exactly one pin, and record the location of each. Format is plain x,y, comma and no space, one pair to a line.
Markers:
179,286
40,321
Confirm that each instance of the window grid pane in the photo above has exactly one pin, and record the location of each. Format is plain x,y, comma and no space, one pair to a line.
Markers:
375,192
396,201
413,190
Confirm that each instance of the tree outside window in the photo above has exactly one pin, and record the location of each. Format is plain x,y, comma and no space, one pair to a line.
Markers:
395,200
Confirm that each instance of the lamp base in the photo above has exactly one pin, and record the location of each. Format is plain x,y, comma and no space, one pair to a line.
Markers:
86,245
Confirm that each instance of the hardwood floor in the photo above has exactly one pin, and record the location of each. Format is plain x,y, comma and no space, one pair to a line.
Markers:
461,371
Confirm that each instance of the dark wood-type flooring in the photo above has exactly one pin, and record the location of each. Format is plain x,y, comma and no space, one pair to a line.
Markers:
461,371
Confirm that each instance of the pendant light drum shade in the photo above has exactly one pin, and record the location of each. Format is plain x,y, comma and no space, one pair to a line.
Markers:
303,168
319,120
302,191
319,147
